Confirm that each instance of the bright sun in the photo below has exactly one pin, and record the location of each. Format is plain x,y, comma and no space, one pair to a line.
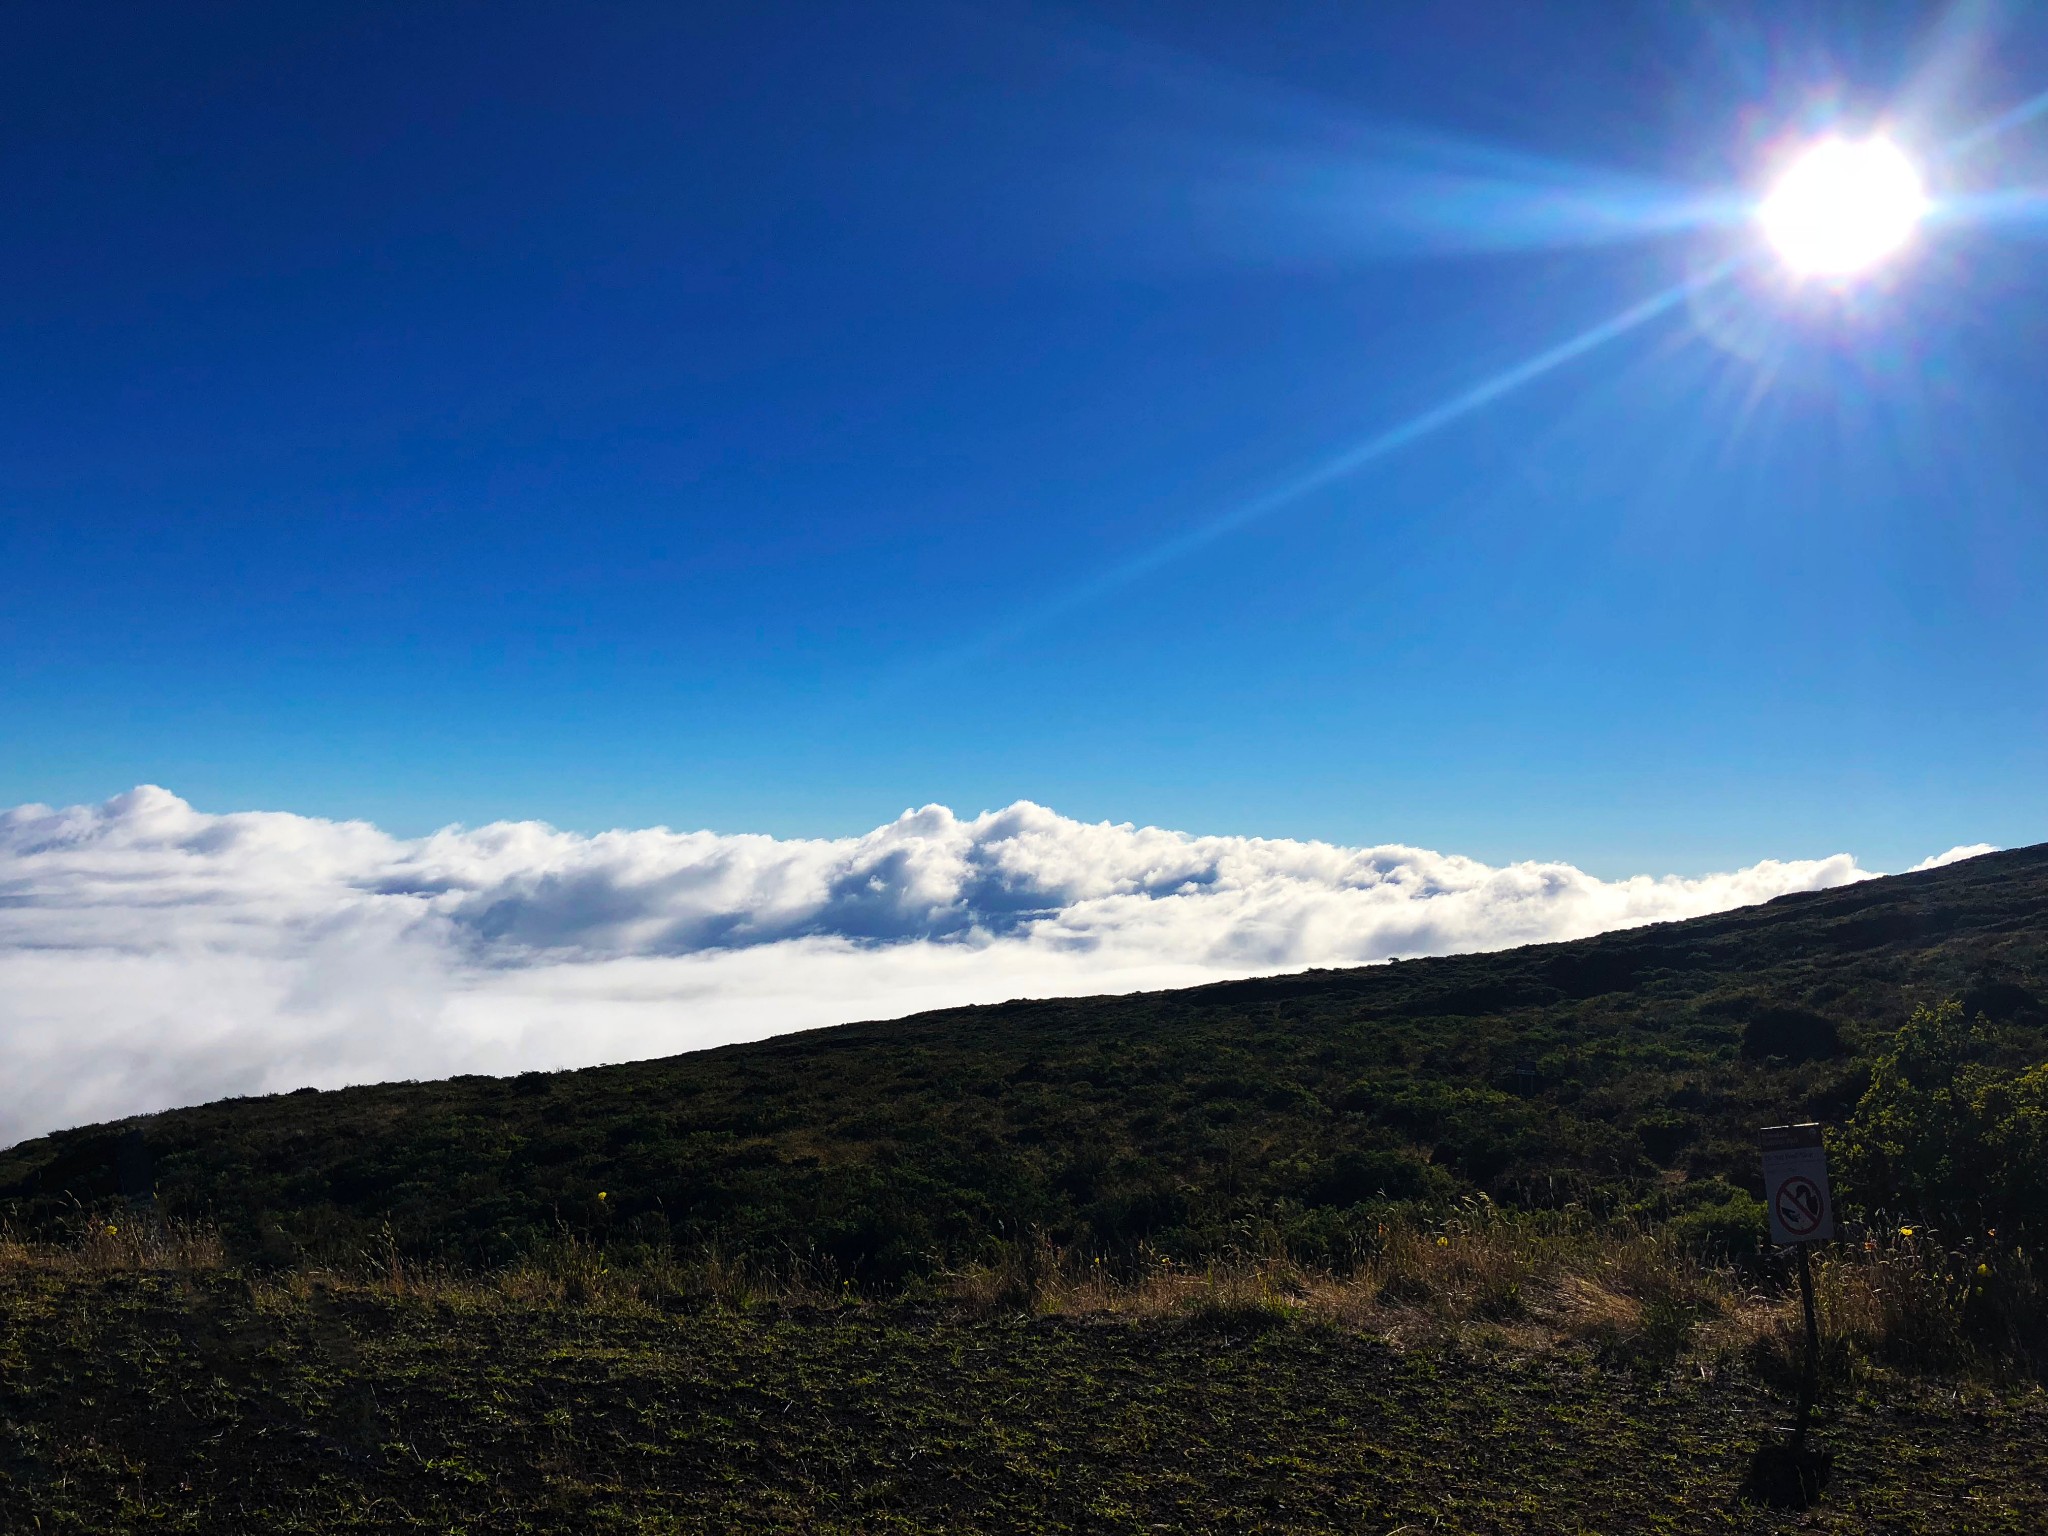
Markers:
1843,206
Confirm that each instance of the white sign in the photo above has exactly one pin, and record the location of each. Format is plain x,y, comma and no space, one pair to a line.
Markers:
1796,1184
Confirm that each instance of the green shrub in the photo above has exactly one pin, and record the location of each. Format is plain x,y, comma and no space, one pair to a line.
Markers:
1943,1134
1732,1229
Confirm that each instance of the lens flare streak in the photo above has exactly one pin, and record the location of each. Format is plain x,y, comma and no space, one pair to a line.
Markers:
1354,459
2013,117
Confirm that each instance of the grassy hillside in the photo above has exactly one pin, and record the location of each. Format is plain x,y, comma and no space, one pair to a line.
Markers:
1267,1115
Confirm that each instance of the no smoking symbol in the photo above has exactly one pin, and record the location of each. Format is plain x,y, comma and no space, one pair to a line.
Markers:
1799,1205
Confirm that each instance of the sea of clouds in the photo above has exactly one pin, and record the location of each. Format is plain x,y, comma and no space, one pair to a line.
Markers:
153,955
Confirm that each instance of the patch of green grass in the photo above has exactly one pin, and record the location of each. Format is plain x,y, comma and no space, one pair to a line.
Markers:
203,1403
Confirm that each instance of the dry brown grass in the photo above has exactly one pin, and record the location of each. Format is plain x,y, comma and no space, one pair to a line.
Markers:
116,1243
576,1272
1907,1297
1631,1297
1485,1279
1481,1277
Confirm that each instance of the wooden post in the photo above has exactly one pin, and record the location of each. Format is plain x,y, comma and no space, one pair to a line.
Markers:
1809,1385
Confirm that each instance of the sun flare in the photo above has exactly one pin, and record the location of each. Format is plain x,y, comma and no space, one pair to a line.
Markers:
1844,206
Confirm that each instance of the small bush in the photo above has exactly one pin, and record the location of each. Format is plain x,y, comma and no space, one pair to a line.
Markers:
1732,1230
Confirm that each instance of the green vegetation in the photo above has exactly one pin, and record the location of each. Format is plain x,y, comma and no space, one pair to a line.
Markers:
1439,1245
1945,1133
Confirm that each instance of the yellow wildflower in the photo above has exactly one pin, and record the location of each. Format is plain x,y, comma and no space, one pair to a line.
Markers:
111,1230
602,1195
1443,1242
1905,1231
1983,1271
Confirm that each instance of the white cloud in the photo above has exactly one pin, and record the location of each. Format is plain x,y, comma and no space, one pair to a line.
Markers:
1955,855
151,954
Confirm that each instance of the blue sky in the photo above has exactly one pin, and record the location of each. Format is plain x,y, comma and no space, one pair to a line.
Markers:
766,418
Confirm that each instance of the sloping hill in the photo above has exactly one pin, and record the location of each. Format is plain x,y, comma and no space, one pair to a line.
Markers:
1627,1068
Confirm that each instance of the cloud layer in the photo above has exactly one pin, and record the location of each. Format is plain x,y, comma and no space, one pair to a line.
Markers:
151,954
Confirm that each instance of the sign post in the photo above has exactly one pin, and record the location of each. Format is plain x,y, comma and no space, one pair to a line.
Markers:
1802,1211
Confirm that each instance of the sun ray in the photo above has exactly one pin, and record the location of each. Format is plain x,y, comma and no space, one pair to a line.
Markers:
2013,117
1344,464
